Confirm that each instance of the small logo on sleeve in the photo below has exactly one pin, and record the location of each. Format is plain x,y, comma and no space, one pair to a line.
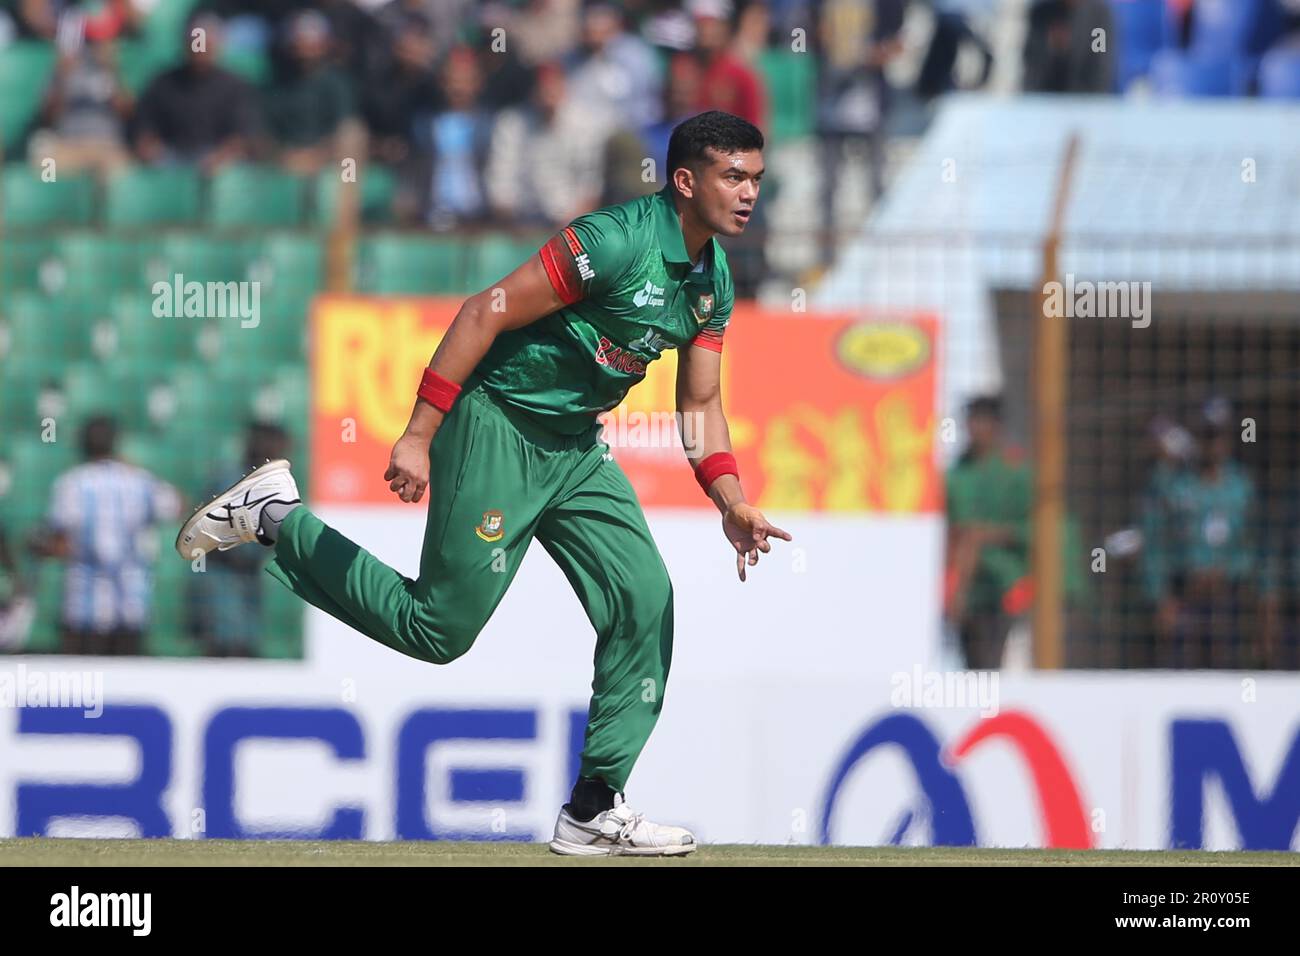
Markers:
492,527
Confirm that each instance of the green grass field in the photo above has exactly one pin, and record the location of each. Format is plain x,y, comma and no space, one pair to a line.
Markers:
58,852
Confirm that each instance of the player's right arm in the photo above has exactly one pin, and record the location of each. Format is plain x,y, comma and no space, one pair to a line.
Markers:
522,297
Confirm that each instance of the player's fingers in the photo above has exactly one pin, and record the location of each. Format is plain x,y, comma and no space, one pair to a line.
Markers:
776,532
740,565
764,546
390,472
753,556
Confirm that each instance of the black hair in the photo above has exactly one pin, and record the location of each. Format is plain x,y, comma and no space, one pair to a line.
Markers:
98,437
990,405
712,130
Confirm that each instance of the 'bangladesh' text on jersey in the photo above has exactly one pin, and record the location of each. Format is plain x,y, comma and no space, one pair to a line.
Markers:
630,292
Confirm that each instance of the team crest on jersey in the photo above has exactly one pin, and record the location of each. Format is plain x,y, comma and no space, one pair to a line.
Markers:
492,527
703,308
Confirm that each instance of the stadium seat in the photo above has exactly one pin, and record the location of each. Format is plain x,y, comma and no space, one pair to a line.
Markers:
88,268
1279,74
252,196
36,334
141,196
495,256
26,200
25,71
200,257
378,186
140,60
21,261
790,79
33,465
290,262
1177,74
406,265
1144,27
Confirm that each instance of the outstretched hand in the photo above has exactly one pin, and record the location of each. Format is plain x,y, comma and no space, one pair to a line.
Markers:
748,531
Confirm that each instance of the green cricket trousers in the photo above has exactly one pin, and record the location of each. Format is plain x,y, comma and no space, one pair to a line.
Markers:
496,481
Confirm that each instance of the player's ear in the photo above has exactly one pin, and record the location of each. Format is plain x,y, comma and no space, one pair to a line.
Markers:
684,181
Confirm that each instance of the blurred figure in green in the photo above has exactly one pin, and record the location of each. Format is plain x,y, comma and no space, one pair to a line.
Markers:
989,495
1200,553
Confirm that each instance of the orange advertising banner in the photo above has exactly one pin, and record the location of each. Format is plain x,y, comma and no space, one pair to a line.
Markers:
828,412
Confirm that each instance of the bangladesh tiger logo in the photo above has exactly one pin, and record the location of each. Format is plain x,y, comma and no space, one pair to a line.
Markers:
703,308
492,527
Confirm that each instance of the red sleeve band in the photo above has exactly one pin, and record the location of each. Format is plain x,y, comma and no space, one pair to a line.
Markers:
713,467
439,392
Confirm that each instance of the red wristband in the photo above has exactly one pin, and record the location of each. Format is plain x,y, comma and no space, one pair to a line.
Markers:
713,467
437,391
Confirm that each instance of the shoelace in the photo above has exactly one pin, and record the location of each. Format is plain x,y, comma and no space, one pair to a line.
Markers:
633,821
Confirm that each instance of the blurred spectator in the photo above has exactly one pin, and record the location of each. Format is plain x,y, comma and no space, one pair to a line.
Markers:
447,18
407,88
667,25
17,609
617,71
1059,40
546,30
36,19
454,145
857,40
729,83
989,494
197,112
952,29
506,81
225,601
101,516
681,94
545,162
306,110
1200,552
361,46
86,110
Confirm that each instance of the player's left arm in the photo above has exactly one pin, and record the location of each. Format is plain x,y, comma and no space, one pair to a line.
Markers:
704,432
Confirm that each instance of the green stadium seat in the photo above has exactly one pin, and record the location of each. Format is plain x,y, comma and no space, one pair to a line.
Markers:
25,71
378,186
494,257
21,260
90,268
410,265
791,83
202,258
32,467
26,200
147,340
255,196
290,262
140,196
36,334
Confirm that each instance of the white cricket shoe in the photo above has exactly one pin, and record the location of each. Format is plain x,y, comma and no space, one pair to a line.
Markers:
619,832
234,517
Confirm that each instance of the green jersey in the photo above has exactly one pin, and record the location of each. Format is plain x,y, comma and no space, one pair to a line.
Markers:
630,292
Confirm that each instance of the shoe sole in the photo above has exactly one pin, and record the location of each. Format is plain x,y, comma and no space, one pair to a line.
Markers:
565,848
257,474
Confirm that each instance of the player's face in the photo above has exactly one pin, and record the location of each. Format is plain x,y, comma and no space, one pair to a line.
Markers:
727,189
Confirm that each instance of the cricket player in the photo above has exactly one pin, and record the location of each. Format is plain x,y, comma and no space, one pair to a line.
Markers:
504,440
